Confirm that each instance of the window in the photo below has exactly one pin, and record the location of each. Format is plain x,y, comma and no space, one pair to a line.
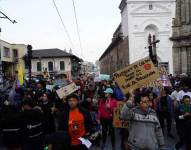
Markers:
15,53
6,52
62,65
39,67
50,66
150,6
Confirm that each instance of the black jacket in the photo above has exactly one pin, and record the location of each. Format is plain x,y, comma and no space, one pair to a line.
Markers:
33,123
48,118
63,120
12,127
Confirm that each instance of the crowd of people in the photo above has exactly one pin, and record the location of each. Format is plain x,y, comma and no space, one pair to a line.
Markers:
34,117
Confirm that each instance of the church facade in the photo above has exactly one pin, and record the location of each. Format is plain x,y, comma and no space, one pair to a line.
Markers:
141,18
182,38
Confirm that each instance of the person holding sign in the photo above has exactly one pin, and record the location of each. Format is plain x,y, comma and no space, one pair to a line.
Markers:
144,131
105,113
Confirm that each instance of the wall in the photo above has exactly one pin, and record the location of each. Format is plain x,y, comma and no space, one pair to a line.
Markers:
56,64
13,65
116,58
139,17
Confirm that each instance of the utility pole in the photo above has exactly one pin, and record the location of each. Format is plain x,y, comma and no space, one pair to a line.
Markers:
29,53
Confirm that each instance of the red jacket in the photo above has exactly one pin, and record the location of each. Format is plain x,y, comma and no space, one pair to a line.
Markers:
106,108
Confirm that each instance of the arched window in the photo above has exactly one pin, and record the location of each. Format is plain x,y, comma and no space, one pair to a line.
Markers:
62,65
39,67
50,66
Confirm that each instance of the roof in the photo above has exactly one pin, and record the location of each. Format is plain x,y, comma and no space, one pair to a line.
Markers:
47,53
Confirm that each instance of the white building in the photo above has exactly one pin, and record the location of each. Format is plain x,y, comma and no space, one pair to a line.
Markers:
55,61
143,17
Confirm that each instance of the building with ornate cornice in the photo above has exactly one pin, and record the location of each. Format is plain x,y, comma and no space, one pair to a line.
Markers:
139,19
143,17
182,38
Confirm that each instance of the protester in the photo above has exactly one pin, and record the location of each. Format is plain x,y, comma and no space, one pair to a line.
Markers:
184,91
105,113
33,126
76,121
118,93
46,104
144,131
12,127
183,123
165,111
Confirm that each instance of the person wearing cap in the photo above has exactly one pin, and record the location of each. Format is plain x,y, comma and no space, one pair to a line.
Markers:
76,121
105,114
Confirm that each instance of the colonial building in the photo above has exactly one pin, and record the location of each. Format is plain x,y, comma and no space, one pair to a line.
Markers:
182,38
143,17
11,55
55,61
116,56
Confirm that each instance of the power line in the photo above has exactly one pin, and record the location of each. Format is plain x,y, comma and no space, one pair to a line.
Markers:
65,29
6,17
77,28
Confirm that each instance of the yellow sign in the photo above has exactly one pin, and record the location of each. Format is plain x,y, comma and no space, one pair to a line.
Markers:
66,90
136,75
117,123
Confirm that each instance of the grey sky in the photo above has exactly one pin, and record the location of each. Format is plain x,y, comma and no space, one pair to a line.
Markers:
39,25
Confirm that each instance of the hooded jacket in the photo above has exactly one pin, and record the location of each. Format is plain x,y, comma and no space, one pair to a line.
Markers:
144,128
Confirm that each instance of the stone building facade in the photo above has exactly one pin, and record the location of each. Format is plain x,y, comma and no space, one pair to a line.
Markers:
182,38
116,56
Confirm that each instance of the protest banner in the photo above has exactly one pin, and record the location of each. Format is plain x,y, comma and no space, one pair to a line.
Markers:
66,90
117,123
136,75
104,77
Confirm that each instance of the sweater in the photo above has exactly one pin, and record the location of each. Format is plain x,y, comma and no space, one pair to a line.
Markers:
144,128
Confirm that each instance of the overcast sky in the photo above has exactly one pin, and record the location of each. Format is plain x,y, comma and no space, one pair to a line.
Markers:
39,24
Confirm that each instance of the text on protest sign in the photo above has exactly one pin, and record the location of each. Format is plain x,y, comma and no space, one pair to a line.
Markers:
66,90
136,75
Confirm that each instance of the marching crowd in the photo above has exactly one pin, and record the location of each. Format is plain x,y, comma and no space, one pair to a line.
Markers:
35,118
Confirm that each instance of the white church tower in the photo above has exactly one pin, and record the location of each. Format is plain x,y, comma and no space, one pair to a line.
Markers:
143,17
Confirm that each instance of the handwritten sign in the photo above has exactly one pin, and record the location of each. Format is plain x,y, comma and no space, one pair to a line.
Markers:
136,75
117,123
66,90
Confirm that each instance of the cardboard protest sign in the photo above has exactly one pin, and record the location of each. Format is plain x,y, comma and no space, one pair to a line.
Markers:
66,90
117,123
136,75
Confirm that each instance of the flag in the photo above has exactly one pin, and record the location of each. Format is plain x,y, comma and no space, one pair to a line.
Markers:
20,74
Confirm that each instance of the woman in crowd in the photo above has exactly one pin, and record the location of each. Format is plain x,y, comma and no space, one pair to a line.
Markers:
105,113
